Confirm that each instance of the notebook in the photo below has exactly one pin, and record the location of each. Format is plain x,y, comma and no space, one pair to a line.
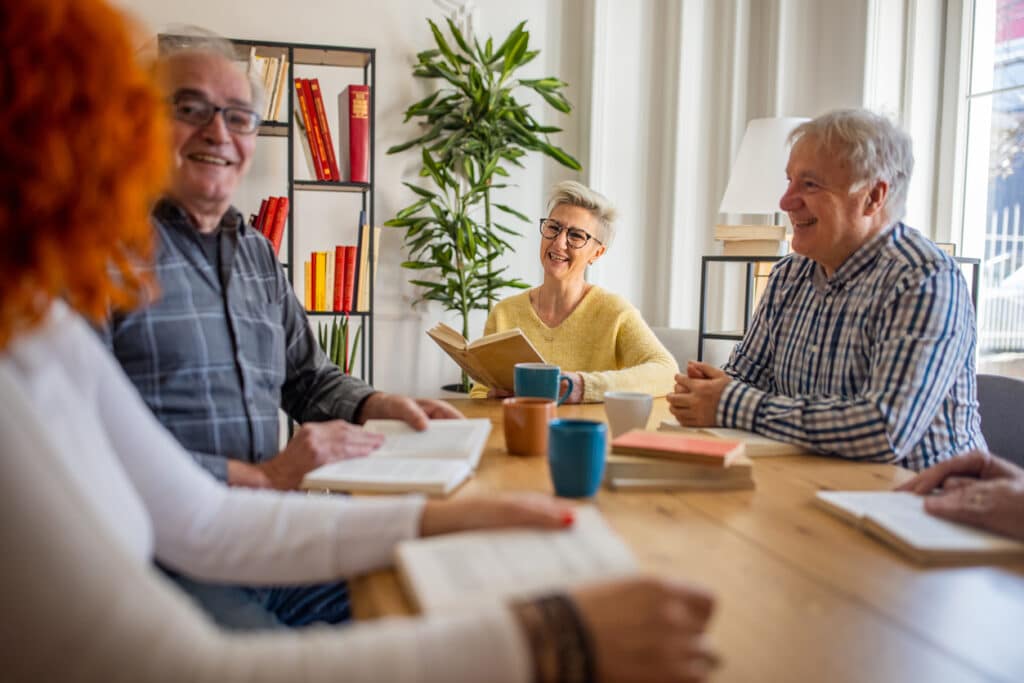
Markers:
757,445
464,570
682,447
898,518
435,461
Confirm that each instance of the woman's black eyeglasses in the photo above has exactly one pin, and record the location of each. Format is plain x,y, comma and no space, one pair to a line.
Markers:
575,238
197,111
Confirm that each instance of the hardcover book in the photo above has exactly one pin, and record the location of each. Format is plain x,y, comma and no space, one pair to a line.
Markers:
756,445
634,472
713,452
898,519
489,360
354,133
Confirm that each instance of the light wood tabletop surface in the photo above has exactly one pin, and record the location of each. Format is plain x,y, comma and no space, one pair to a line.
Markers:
802,596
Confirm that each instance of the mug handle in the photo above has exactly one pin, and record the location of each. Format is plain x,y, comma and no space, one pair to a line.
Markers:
568,390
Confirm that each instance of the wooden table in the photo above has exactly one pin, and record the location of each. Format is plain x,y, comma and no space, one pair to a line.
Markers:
802,596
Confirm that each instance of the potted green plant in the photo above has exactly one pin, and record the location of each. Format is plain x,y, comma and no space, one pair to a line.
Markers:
474,127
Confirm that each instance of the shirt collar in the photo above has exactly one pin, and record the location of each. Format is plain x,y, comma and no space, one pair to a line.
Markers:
853,266
172,214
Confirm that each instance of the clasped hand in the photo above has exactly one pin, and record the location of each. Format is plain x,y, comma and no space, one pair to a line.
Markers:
976,488
694,401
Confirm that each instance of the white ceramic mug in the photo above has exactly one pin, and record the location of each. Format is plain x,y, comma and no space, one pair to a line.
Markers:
627,410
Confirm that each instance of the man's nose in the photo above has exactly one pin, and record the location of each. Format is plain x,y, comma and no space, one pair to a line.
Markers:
790,200
216,130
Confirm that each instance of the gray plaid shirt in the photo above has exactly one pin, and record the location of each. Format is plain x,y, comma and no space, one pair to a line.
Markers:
218,353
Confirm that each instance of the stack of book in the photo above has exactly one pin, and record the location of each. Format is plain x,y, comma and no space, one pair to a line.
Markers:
271,219
272,72
646,460
752,240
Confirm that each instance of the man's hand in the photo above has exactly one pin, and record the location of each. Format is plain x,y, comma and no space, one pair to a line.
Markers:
694,403
316,444
494,512
976,488
414,412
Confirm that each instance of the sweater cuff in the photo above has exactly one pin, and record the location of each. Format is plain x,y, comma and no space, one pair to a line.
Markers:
738,406
594,386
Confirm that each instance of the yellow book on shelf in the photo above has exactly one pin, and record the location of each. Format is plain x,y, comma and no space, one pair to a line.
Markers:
307,285
489,360
321,279
365,271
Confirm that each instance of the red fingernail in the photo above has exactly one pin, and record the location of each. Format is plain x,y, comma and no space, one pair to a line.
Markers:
568,517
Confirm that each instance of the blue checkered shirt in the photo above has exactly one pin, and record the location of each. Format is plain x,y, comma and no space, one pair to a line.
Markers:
215,362
875,363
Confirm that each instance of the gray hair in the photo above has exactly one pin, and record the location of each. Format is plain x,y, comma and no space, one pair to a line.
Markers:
577,194
874,146
184,41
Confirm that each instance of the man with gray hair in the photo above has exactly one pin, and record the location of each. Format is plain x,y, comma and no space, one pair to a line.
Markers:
227,345
863,345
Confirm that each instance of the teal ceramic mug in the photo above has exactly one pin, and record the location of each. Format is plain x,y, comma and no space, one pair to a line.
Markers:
541,380
576,450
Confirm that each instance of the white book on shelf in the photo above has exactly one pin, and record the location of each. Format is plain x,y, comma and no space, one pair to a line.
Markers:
464,570
434,461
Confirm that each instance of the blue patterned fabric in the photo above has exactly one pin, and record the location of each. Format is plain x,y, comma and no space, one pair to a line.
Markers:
875,363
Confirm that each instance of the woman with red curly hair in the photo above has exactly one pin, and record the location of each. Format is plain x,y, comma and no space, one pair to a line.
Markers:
90,488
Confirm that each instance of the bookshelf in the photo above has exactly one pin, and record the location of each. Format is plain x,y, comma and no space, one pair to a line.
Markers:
355,65
748,298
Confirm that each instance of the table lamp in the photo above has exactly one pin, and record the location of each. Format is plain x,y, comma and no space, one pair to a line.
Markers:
756,182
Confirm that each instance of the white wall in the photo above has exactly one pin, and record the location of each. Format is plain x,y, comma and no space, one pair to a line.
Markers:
663,90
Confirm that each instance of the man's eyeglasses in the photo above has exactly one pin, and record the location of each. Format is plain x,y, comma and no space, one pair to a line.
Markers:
197,111
575,238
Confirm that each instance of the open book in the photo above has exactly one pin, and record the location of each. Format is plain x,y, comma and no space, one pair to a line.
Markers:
898,518
757,445
490,360
461,571
435,461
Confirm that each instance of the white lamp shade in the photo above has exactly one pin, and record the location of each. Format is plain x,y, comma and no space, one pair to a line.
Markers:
758,176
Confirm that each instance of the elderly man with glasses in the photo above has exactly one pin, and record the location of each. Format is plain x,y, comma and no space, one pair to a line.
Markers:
225,345
597,338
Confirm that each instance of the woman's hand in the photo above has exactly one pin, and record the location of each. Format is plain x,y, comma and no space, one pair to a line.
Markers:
499,393
494,512
976,488
647,630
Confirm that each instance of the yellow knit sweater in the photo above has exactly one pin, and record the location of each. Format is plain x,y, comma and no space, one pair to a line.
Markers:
604,339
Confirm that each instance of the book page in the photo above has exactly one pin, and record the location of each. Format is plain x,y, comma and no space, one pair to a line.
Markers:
444,439
464,570
395,475
902,514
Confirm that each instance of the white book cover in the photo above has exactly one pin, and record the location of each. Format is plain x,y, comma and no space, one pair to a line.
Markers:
434,461
465,570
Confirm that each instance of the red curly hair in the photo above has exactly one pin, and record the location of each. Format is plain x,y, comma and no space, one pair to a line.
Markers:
84,151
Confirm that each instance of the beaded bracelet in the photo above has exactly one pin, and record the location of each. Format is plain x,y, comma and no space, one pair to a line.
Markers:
559,641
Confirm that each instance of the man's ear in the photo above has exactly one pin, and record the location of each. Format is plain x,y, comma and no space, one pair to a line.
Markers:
876,196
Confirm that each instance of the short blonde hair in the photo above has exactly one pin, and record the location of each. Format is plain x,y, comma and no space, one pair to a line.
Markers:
577,194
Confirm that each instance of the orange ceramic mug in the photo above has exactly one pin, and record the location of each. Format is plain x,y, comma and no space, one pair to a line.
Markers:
526,424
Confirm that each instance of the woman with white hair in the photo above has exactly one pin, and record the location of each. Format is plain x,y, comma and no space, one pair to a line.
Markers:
597,338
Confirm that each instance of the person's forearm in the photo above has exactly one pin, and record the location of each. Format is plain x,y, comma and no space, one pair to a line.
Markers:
250,476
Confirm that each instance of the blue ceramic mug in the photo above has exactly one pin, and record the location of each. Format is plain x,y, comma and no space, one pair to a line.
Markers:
576,451
542,381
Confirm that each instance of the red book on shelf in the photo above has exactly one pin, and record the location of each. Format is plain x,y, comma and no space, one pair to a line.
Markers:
325,130
261,216
312,135
267,219
340,266
354,132
275,229
348,293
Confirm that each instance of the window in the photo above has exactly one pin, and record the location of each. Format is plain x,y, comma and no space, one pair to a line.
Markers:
993,209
